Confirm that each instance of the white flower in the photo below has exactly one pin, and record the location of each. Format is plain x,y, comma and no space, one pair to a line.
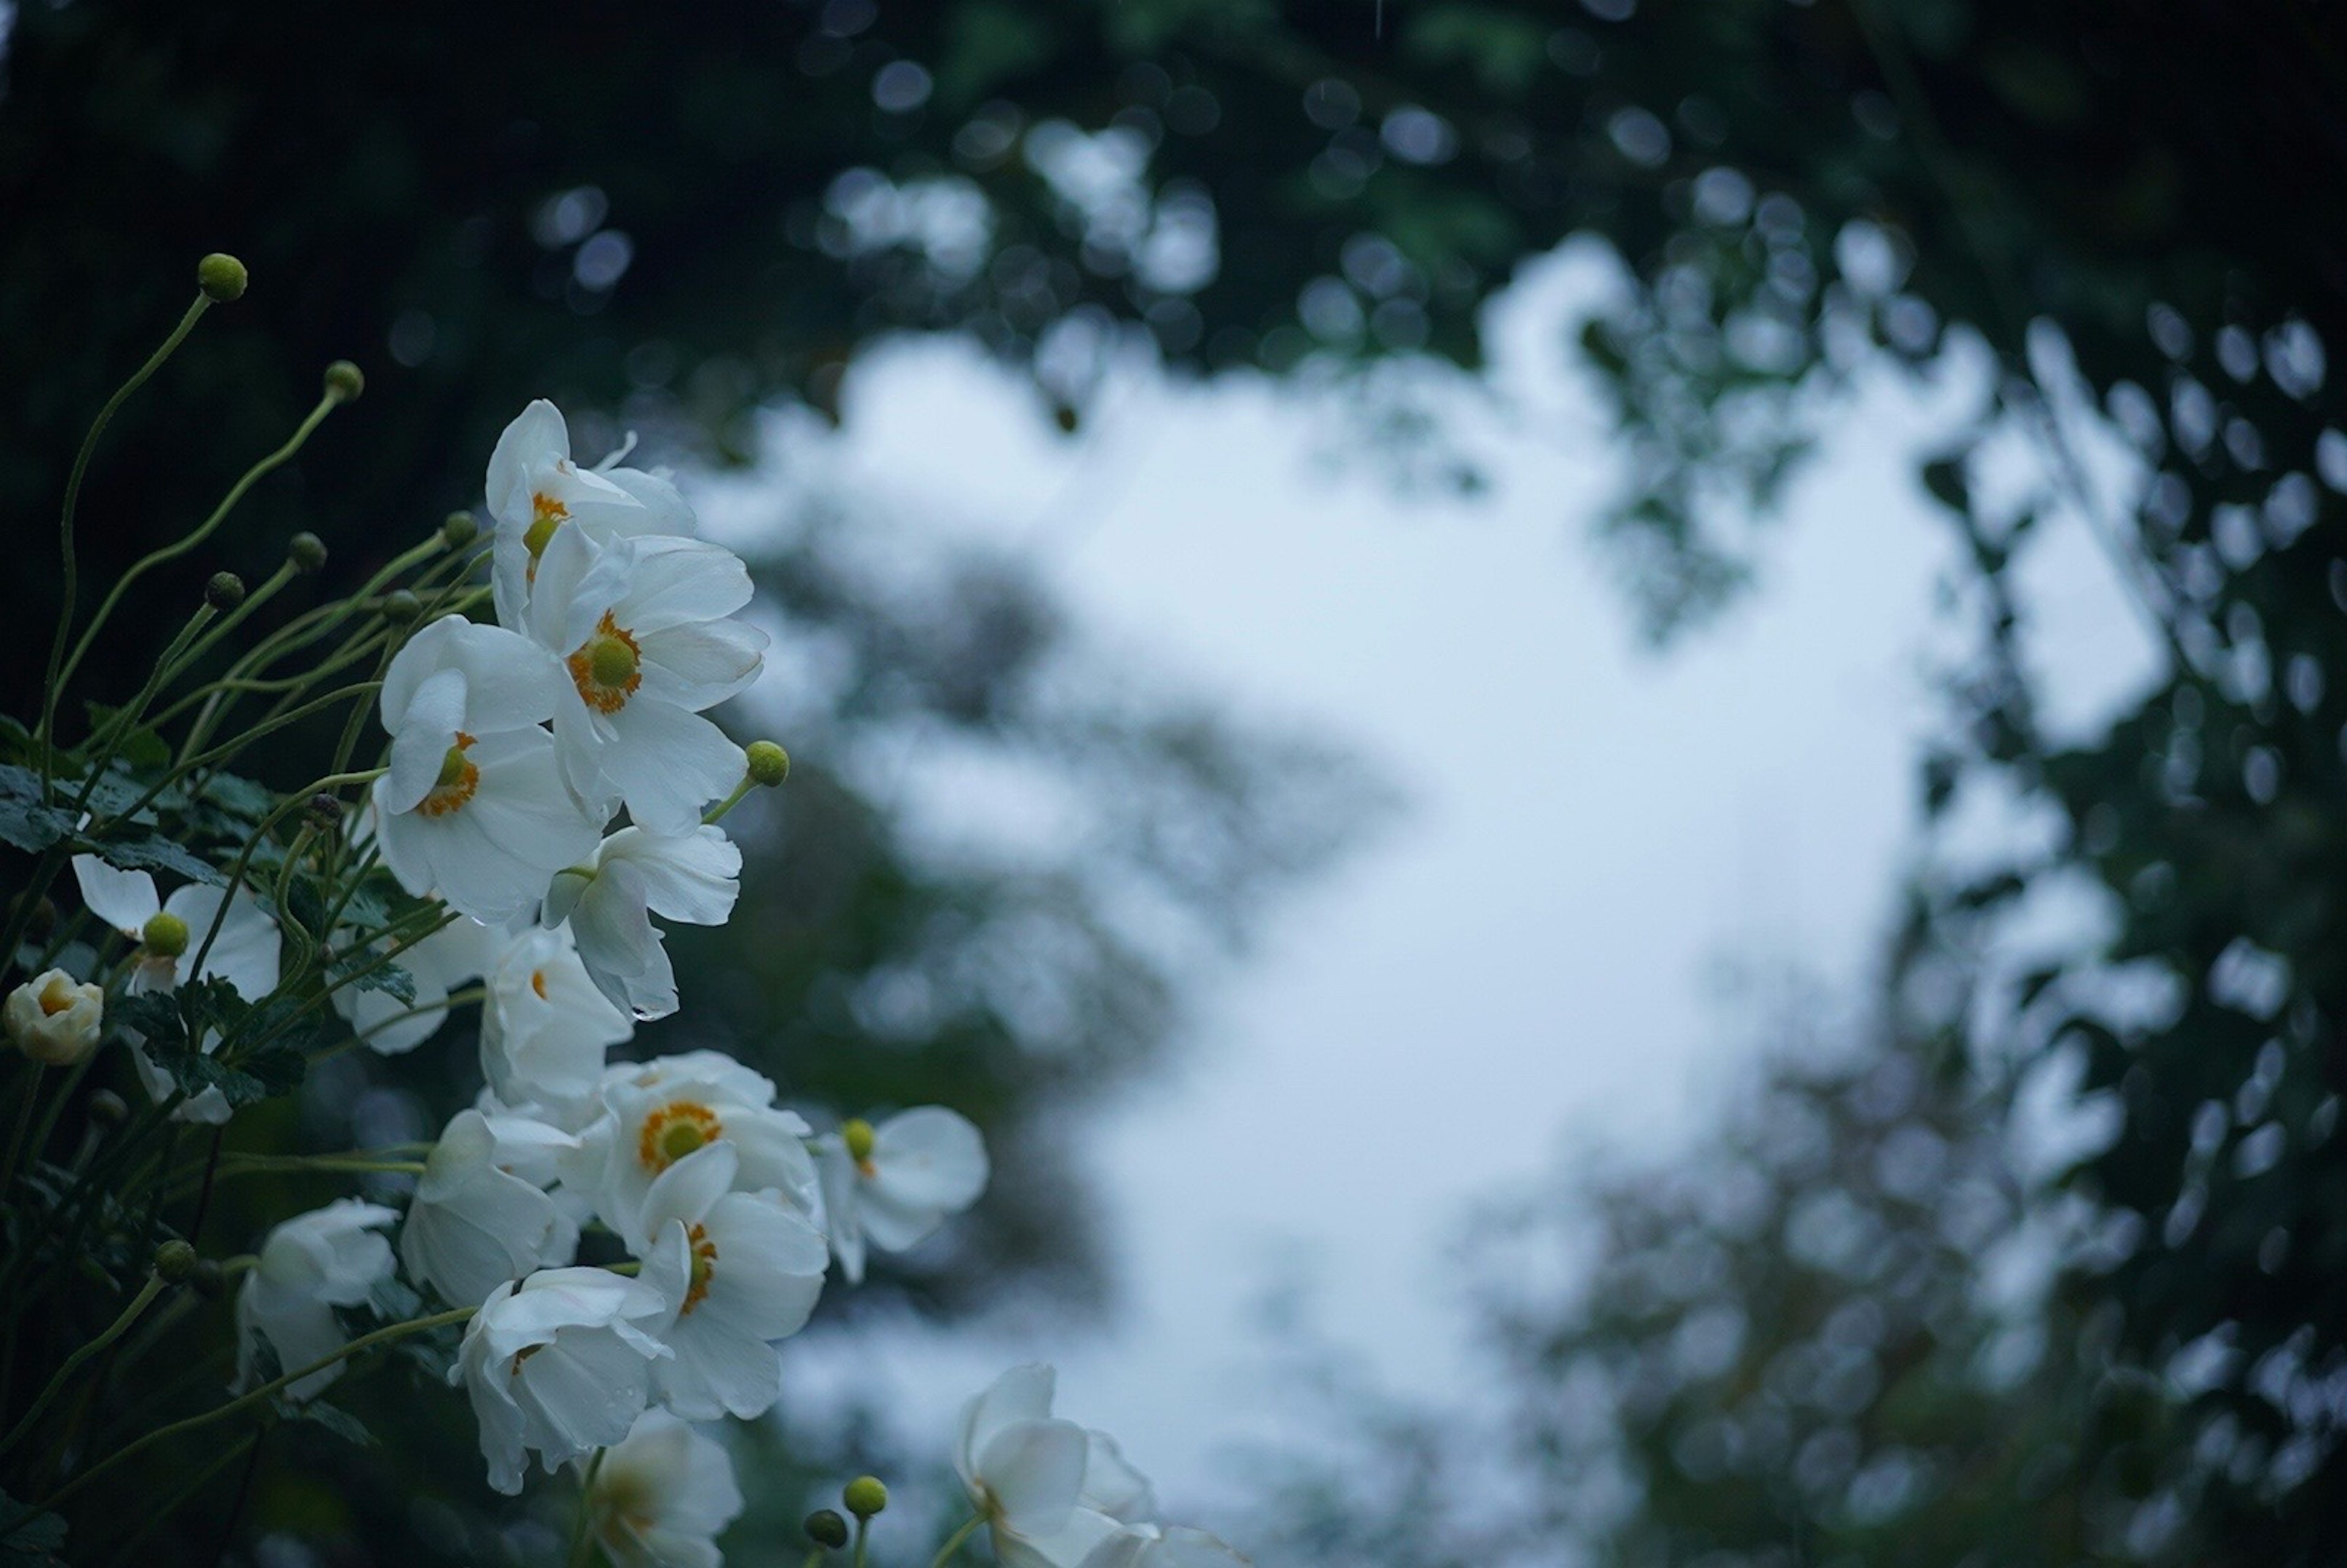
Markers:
311,1264
1025,1473
546,1028
660,1498
559,1364
473,806
439,964
1147,1546
893,1185
54,1020
477,1223
535,490
741,1270
610,901
1112,1485
245,953
640,627
657,1113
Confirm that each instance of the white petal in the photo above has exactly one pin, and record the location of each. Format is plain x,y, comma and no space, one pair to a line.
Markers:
536,440
1035,1471
420,745
677,581
685,1190
1021,1394
125,900
246,951
669,765
697,667
692,877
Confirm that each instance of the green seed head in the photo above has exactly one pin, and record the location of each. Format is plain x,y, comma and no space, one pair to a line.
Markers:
225,591
826,1529
612,661
865,1496
857,1136
400,607
165,935
459,530
769,763
174,1261
307,552
221,277
345,380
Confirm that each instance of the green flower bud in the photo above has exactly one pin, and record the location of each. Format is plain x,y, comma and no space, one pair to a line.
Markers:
857,1136
225,591
865,1496
108,1109
221,277
459,530
825,1528
345,380
400,607
175,1261
769,763
165,935
307,552
324,812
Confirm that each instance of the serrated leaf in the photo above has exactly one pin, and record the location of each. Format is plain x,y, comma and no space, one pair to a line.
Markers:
335,1419
24,821
156,852
156,1015
387,977
27,1535
141,748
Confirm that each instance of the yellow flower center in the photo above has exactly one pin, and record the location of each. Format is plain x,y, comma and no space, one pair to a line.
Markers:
457,781
674,1131
538,983
858,1137
58,996
546,515
704,1269
524,1354
608,666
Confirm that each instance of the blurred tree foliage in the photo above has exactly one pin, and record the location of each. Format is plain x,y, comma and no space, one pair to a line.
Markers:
2135,213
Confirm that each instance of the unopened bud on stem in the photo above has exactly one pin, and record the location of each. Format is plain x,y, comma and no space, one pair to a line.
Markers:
175,1261
459,530
307,551
165,935
225,591
769,763
826,1529
400,607
108,1109
345,380
865,1496
323,811
221,277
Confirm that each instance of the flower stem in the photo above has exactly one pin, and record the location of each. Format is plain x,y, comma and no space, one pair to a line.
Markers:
954,1542
243,1401
863,1528
72,1363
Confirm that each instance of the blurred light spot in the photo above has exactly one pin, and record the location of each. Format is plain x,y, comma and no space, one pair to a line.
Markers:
1330,312
989,135
1331,103
412,336
2294,358
2170,334
1193,111
1640,137
1416,135
1611,10
1722,196
604,259
569,217
846,18
2237,352
901,86
1875,115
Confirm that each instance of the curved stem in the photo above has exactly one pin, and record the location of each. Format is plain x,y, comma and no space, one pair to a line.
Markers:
72,1363
954,1542
246,1400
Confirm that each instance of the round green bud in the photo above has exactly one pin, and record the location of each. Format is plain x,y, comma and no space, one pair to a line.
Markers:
613,662
221,277
459,530
865,1496
324,812
307,551
175,1261
825,1528
345,380
400,607
209,1280
108,1109
225,591
165,935
769,763
857,1134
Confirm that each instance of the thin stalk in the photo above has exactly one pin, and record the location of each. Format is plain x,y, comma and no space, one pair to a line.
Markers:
582,1533
954,1542
74,1363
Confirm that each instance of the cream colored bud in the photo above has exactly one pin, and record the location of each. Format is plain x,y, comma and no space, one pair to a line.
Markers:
54,1019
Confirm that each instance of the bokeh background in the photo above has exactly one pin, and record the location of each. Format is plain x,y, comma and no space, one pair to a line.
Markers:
1600,734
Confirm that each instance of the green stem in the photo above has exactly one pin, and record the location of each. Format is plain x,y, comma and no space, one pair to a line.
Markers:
30,1098
716,814
201,532
582,1534
72,1363
246,1400
151,1517
863,1528
68,584
954,1542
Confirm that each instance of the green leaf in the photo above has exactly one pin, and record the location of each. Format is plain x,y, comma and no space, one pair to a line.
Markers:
387,977
24,821
335,1420
142,748
154,852
27,1535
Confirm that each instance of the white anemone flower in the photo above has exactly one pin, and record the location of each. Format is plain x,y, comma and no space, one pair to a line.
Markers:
1149,1546
893,1185
311,1264
741,1270
641,628
537,493
475,1222
657,1113
442,961
558,1365
1025,1473
170,933
546,1029
661,1497
610,901
473,806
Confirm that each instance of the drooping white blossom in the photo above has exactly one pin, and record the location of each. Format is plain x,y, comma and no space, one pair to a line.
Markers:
475,1222
894,1183
661,1497
559,1366
311,1264
641,628
656,1114
437,964
244,952
610,902
739,1269
473,807
1151,1546
1024,1472
537,493
546,1028
53,1019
